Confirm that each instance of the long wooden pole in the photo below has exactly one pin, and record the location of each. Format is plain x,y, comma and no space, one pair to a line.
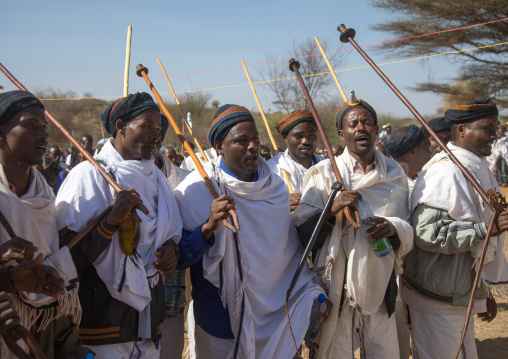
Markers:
330,68
142,72
84,152
294,66
182,111
127,62
68,135
260,107
347,35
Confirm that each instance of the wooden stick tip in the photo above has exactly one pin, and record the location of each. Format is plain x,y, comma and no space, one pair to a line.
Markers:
140,68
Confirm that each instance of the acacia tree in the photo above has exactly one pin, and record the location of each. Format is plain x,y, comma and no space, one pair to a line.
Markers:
288,93
485,68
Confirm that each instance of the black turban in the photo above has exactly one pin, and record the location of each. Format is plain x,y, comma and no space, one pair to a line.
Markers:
13,102
126,108
472,111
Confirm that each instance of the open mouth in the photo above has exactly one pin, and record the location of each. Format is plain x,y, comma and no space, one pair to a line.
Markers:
362,139
41,148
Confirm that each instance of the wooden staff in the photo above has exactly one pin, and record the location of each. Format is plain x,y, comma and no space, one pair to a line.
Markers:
127,62
260,107
286,178
181,110
330,68
142,72
294,66
347,35
84,152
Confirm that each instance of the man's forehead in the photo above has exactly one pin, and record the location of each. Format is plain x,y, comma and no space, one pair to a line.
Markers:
358,113
303,127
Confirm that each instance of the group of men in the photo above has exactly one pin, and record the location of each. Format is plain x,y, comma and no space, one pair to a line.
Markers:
119,292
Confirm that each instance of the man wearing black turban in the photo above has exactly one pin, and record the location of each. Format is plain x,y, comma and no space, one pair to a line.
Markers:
450,224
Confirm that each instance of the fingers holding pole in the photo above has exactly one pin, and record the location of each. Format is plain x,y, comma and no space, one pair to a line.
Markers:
330,68
259,106
143,72
127,62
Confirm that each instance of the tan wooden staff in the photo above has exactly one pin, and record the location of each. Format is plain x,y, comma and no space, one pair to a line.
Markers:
330,68
87,155
142,72
260,107
127,62
347,35
181,110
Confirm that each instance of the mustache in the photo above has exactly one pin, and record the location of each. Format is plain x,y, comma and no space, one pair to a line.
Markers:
362,135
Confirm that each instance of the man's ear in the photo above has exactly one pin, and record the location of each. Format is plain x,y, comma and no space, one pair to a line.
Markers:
377,130
120,126
461,129
218,148
285,138
341,135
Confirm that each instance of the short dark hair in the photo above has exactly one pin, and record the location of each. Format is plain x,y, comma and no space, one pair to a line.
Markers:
52,147
453,128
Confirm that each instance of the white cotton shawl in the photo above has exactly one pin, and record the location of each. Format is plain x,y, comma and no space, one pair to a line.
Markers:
32,217
85,194
269,250
367,277
173,173
442,185
296,172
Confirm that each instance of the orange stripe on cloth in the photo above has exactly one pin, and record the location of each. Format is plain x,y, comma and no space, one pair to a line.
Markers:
92,331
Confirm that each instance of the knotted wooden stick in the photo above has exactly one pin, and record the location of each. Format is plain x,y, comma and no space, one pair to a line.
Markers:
294,66
181,110
142,72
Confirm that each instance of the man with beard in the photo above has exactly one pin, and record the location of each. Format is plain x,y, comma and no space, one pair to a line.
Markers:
450,224
409,146
239,285
360,284
122,293
298,129
442,129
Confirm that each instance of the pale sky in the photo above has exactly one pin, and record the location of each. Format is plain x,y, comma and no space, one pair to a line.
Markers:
82,45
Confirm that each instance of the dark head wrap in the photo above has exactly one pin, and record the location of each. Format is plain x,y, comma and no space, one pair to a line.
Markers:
294,119
164,125
350,105
439,124
470,112
224,119
13,102
399,145
126,108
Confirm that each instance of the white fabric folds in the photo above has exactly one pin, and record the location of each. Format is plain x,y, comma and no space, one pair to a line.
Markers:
442,185
296,172
32,217
85,194
386,189
269,252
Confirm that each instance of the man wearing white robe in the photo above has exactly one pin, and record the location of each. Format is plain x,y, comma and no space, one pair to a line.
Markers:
298,129
450,223
240,283
360,285
123,295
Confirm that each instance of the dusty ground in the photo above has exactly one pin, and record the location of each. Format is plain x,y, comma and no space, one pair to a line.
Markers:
491,338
